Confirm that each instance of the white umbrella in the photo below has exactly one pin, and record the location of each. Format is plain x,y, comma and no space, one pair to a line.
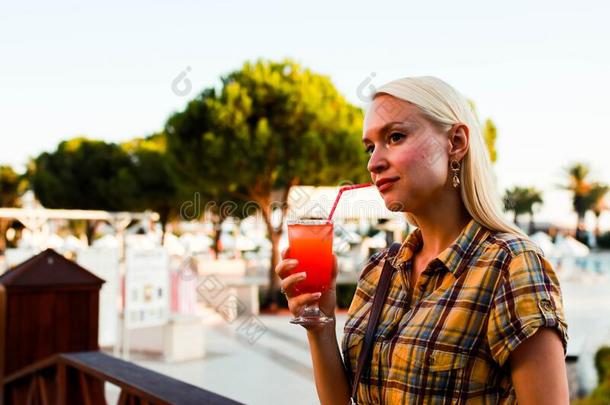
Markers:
242,243
378,241
196,243
55,242
141,241
108,241
227,241
545,242
569,246
72,243
173,245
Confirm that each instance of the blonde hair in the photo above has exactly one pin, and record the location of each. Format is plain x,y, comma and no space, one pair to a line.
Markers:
444,106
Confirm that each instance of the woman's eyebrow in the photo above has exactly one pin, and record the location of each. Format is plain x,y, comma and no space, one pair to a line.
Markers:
381,130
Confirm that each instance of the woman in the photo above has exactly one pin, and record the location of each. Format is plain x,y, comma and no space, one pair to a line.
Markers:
473,313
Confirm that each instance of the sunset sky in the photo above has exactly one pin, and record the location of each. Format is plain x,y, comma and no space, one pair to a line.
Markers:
538,69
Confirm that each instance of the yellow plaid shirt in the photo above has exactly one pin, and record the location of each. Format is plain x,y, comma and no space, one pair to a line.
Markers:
447,339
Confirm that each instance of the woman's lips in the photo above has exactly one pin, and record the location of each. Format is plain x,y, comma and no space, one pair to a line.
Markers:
386,185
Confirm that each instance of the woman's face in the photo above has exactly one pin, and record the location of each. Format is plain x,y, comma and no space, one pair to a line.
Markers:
409,155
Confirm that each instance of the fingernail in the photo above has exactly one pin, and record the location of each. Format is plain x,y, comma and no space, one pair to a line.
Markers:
302,275
317,295
293,262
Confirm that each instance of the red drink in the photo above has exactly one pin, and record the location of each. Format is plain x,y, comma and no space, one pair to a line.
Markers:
311,243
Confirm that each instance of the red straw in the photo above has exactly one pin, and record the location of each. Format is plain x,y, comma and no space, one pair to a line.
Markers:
341,190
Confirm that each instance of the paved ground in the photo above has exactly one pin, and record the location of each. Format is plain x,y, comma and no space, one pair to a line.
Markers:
276,368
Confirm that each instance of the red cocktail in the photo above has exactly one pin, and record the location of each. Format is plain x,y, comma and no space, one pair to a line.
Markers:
311,243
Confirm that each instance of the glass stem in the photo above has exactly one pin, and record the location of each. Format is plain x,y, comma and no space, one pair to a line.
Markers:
311,311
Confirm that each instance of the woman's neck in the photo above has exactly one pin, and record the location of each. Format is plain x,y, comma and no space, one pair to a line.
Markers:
440,227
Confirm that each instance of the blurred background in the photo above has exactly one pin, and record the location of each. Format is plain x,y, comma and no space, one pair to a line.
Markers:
162,147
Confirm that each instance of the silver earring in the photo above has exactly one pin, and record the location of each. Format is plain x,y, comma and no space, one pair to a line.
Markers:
455,168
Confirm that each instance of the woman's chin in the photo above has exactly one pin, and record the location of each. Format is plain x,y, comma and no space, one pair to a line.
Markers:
394,205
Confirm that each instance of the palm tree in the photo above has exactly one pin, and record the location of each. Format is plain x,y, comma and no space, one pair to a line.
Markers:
521,200
10,189
579,185
595,200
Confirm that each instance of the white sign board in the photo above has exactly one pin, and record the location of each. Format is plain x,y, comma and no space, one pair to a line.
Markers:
104,263
146,287
15,256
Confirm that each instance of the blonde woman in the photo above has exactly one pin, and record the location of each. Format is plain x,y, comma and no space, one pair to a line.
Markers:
472,311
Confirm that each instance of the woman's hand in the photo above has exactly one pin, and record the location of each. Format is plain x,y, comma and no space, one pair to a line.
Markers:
296,301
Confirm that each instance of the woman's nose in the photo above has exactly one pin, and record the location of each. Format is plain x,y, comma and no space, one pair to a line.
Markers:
377,162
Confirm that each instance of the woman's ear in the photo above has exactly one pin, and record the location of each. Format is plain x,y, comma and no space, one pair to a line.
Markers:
459,140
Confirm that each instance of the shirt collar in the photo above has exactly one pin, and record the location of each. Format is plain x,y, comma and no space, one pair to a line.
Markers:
454,258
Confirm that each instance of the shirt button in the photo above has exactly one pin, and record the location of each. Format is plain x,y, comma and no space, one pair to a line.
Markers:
546,305
431,360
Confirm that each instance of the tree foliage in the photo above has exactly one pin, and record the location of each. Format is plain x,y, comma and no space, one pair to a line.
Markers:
156,187
11,188
489,132
521,200
85,174
270,126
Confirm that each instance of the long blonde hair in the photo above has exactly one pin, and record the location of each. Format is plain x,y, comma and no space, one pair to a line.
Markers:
443,105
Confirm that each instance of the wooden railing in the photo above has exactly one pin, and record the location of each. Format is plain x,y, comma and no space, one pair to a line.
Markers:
78,378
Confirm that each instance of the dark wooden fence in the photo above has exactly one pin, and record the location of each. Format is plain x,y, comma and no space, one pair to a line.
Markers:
48,343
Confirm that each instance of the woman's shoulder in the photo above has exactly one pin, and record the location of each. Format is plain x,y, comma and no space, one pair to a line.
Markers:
512,244
520,260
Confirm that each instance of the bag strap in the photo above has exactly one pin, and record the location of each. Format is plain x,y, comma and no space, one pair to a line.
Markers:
380,294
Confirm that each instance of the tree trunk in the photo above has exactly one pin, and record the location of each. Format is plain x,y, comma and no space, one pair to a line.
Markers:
89,232
263,197
4,224
532,227
597,229
272,297
272,294
163,219
580,235
217,223
515,216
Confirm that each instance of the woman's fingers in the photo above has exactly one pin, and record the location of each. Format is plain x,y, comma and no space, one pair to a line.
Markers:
284,253
288,282
297,303
285,266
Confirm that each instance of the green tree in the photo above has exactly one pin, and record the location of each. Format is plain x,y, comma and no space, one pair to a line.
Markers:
204,188
85,174
489,131
595,200
271,126
521,200
156,188
580,186
11,187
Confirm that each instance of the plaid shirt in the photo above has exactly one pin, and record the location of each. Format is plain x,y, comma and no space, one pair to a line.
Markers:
447,339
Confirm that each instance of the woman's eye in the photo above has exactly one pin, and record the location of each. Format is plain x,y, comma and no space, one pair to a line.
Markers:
369,149
395,137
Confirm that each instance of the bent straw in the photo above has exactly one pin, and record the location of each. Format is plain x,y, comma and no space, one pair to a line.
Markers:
341,190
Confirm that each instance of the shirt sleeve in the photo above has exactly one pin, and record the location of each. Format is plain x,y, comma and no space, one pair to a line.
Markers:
527,298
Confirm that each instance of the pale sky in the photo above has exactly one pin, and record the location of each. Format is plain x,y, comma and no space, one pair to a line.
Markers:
538,69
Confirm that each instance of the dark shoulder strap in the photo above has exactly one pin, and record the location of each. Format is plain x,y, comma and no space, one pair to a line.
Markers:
380,294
